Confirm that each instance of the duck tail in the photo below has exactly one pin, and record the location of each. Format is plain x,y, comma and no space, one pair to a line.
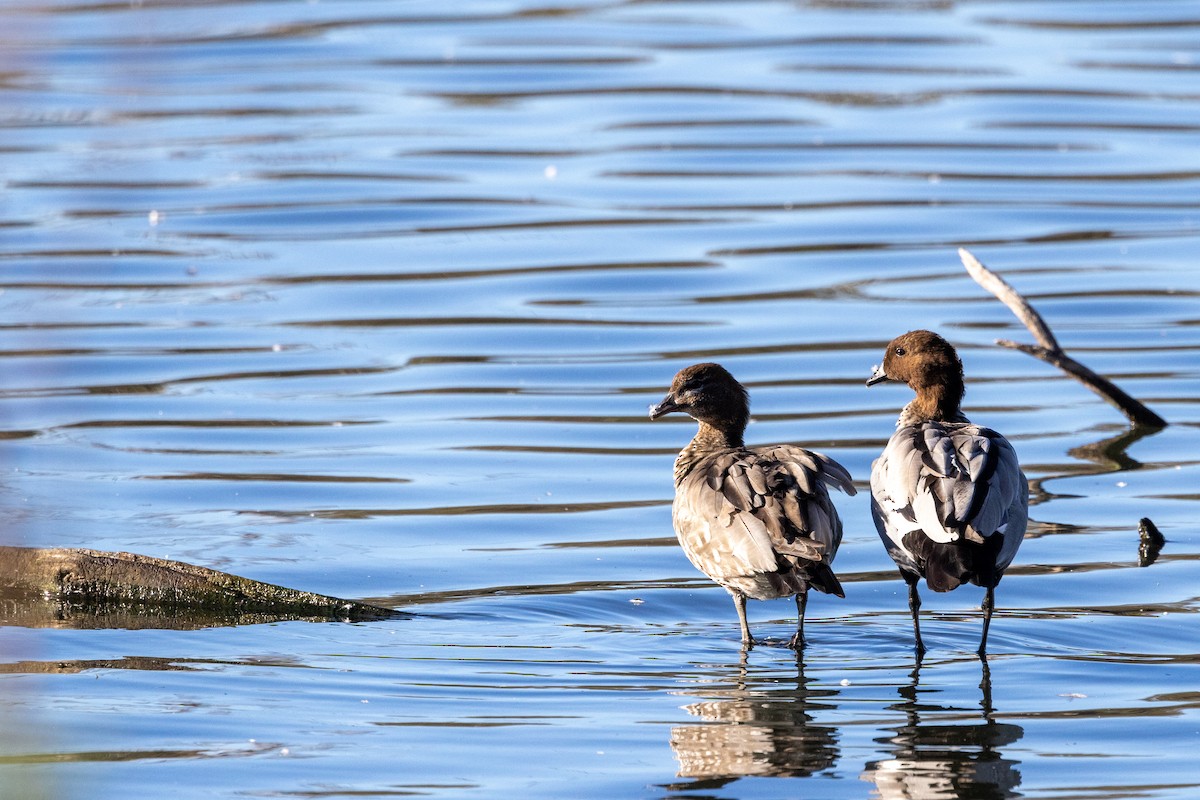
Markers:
821,578
948,565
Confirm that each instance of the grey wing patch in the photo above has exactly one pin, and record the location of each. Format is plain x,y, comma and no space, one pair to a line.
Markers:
715,470
760,521
892,518
797,509
953,480
720,539
775,498
1004,508
808,468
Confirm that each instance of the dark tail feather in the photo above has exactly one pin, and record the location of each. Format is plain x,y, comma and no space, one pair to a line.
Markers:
821,578
943,574
950,565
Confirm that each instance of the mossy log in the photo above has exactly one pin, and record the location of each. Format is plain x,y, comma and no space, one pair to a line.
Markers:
86,578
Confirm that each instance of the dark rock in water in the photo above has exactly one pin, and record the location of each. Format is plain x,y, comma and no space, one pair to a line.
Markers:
1152,542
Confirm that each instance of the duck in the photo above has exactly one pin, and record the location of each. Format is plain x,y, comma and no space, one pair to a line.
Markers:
758,521
948,497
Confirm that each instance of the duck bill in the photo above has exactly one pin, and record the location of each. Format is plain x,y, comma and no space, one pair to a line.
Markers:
877,376
667,405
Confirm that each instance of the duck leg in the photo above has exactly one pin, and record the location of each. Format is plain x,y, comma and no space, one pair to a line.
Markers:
739,602
989,605
914,606
985,685
797,642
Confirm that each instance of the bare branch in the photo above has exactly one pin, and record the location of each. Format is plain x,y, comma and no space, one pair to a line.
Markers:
1050,351
1011,298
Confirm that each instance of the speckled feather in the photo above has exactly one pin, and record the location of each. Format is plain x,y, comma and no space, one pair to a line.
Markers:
760,520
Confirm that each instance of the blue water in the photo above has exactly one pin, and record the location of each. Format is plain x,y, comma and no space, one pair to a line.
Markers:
369,298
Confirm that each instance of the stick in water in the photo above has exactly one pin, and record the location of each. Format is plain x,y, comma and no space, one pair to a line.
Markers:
1048,349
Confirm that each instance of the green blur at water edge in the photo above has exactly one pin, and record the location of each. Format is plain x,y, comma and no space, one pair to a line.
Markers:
369,298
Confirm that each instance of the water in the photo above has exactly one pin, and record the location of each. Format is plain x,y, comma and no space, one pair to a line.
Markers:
369,299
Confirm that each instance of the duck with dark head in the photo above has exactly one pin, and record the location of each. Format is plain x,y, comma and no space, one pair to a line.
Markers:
948,497
757,520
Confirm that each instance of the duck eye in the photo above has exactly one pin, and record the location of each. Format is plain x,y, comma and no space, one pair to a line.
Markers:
900,351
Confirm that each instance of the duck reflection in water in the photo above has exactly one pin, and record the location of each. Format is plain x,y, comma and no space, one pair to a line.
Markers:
946,762
760,726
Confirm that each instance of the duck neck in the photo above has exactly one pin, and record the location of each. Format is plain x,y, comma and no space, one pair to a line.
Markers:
936,402
710,437
708,440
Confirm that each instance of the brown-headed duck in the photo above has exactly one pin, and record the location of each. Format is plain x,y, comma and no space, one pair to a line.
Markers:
757,520
948,497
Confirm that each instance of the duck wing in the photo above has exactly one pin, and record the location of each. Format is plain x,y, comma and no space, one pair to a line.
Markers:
768,509
797,496
949,481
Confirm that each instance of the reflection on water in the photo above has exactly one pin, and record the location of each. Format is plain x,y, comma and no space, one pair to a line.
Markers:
37,611
957,761
754,727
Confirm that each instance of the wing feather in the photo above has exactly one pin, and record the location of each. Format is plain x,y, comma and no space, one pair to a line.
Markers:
749,511
949,481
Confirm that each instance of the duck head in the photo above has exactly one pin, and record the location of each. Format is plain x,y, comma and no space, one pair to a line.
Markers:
930,367
708,394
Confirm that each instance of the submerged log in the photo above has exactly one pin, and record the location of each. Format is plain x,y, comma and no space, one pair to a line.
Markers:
82,578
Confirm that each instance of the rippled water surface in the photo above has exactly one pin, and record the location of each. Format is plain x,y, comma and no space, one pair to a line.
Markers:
369,298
